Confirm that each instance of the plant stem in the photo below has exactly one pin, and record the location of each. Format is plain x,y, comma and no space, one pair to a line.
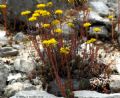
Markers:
58,80
5,17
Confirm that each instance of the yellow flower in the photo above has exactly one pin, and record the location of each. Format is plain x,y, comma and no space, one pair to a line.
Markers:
41,5
45,42
37,11
2,6
110,16
64,50
23,13
32,19
49,4
36,15
59,31
58,12
44,13
91,41
96,29
49,42
53,41
55,22
87,24
46,25
70,24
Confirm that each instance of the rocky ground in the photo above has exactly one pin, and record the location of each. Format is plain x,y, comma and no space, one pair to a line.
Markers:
17,63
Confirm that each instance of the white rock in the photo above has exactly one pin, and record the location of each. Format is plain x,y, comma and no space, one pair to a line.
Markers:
14,77
115,83
24,65
93,17
3,38
100,7
3,76
117,30
94,94
18,86
78,94
34,94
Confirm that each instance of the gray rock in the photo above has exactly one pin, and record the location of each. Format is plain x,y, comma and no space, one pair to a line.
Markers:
94,17
105,1
3,76
115,83
78,94
8,51
11,89
34,94
99,7
18,46
24,65
37,81
19,37
81,84
15,7
94,94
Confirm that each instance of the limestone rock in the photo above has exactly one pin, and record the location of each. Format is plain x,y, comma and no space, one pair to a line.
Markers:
8,51
3,76
115,83
11,89
99,7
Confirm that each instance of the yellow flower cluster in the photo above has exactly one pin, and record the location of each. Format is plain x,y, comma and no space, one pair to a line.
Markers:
35,14
70,24
37,11
55,22
46,25
41,5
49,42
87,24
59,31
31,19
58,12
49,4
23,13
2,6
91,41
96,29
43,12
64,50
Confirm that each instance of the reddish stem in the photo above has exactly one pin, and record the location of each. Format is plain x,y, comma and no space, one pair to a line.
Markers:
5,17
58,80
